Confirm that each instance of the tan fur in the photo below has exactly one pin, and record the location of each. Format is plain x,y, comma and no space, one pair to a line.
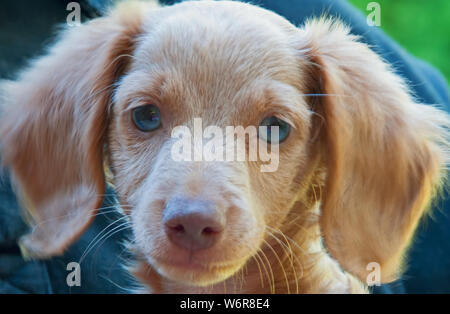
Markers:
357,171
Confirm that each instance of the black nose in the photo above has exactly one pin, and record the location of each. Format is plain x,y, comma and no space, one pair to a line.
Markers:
193,224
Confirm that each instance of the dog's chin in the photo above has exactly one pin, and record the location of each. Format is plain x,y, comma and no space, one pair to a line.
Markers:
190,274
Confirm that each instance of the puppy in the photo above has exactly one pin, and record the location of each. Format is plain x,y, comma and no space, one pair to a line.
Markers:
359,160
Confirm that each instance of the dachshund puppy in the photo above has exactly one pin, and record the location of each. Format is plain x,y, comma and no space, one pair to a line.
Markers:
358,159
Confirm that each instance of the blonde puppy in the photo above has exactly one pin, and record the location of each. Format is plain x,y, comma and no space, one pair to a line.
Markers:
358,159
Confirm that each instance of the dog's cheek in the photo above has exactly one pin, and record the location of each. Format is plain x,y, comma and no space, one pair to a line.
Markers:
146,217
245,224
148,200
131,160
274,193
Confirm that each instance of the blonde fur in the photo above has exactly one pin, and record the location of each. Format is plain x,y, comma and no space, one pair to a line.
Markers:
356,174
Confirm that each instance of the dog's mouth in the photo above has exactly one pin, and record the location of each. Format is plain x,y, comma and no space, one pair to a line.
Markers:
194,273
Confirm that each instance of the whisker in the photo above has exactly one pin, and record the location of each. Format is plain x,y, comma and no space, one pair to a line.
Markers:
97,213
261,279
293,242
265,269
271,271
287,249
111,233
281,264
127,290
91,244
290,239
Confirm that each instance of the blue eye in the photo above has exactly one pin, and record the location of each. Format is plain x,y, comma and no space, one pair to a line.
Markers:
265,133
147,118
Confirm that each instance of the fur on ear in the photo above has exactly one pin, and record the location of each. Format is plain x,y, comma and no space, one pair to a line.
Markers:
384,153
54,122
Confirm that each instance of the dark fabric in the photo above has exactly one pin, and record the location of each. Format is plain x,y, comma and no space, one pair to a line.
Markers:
101,271
27,26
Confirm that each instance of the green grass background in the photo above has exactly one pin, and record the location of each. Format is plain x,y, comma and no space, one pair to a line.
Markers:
422,27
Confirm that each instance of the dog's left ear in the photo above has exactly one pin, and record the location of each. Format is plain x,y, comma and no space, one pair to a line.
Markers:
53,125
384,153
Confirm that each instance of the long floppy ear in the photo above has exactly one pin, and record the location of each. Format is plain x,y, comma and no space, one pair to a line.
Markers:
52,130
385,154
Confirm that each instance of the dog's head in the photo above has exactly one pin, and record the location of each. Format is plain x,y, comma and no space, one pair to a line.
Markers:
114,90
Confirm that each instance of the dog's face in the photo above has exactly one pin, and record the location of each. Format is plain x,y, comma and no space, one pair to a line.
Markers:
248,73
127,81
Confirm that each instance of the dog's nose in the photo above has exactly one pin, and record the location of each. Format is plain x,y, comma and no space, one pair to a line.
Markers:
193,224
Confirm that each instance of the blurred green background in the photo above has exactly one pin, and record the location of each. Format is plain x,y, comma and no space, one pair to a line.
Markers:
422,27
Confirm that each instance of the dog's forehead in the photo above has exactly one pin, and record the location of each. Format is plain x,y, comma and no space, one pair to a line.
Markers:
218,34
217,50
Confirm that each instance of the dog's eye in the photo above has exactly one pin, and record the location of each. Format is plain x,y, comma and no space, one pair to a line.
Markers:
147,118
265,133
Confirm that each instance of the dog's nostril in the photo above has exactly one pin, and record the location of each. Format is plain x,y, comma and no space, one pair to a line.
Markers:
208,231
178,228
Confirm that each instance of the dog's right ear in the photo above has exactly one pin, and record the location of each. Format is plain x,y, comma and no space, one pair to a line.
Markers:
53,125
386,155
